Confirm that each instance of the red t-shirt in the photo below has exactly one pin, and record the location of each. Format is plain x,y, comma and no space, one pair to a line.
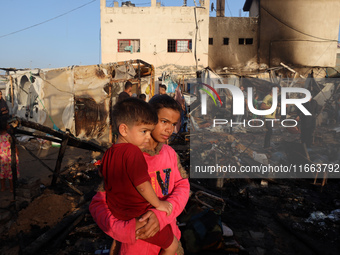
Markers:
123,168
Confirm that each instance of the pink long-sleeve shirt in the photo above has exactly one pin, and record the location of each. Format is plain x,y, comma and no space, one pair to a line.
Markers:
166,181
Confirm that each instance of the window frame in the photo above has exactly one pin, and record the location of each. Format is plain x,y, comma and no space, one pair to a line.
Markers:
249,41
123,51
246,41
189,49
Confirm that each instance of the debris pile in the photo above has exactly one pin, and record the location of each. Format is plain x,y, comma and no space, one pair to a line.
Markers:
41,220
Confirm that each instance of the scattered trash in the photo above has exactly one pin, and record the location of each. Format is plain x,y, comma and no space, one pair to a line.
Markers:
96,162
334,215
226,230
239,129
260,157
104,251
316,216
264,183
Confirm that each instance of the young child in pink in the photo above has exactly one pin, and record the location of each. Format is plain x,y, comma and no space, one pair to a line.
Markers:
5,157
129,193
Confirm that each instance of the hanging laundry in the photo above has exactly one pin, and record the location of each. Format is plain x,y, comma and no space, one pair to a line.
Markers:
169,82
129,48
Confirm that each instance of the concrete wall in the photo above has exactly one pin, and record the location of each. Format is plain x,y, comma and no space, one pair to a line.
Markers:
153,26
232,55
281,43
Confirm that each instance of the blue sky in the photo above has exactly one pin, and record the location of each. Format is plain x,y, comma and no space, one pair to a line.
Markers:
72,39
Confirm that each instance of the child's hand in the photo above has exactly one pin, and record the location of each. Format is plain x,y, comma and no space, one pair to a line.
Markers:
165,206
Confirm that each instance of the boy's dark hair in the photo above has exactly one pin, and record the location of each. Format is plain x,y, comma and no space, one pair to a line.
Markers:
159,102
163,86
142,96
133,111
128,84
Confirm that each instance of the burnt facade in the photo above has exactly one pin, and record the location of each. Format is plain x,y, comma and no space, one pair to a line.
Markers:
298,33
77,98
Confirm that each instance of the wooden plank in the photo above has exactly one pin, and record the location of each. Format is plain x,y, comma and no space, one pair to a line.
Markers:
45,137
60,158
12,93
72,141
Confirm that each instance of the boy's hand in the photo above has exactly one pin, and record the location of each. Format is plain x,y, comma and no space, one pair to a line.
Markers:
140,224
165,206
151,227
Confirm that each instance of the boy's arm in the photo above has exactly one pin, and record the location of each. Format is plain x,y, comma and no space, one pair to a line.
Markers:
147,192
178,197
108,223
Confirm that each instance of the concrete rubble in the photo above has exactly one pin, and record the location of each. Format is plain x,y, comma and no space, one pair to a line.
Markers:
257,215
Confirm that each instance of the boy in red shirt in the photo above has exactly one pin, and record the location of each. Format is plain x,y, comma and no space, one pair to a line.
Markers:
125,171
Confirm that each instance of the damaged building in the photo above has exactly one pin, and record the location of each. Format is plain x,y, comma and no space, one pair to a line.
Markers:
282,42
186,38
75,98
292,32
168,37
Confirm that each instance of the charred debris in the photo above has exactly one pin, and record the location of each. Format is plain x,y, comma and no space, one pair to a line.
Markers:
249,215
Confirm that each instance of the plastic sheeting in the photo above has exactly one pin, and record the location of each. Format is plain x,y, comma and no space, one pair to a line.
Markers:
77,98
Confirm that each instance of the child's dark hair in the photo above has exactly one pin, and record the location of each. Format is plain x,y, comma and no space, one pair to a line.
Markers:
162,86
127,85
133,111
142,96
159,102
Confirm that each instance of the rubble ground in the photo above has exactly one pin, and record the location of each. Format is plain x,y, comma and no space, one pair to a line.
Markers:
267,216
